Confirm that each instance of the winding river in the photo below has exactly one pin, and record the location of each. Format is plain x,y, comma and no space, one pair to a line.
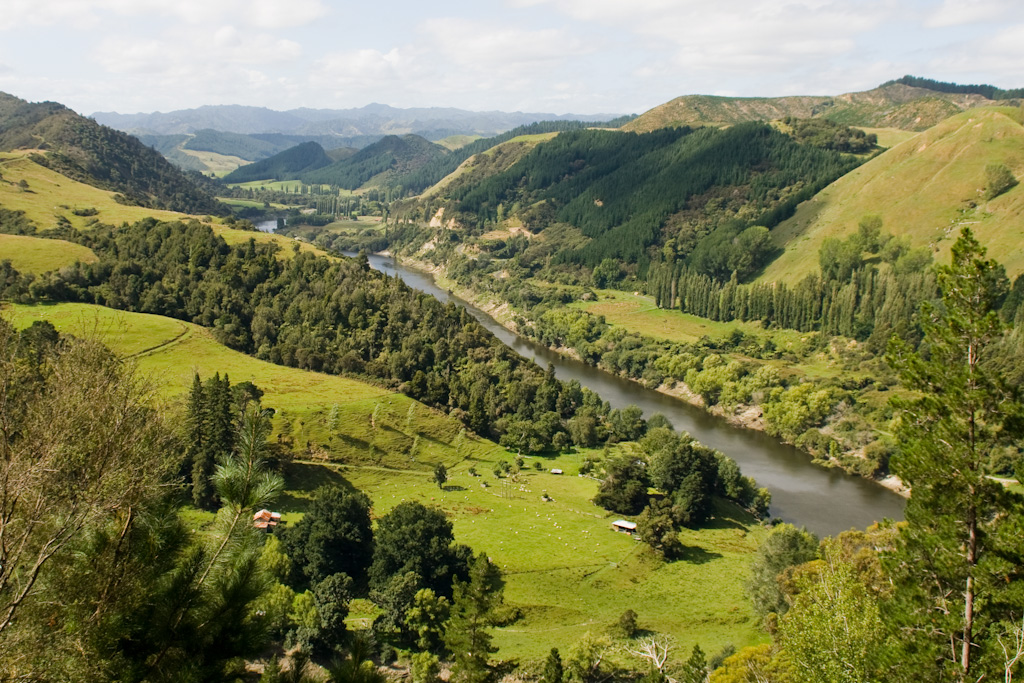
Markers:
826,501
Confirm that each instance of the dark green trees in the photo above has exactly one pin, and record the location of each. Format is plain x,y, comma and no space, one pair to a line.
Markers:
334,536
209,434
957,565
415,538
785,547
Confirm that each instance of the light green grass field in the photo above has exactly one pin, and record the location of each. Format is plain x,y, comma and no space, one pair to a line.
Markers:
637,313
565,567
926,188
453,142
249,203
50,195
36,255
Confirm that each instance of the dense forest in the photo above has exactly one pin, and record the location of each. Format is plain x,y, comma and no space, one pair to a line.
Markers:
286,165
393,155
629,192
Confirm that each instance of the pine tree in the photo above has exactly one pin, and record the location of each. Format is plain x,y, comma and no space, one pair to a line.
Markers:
959,563
196,418
472,614
553,670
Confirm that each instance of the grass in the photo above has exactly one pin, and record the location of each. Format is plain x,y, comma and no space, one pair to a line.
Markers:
51,196
249,203
36,255
371,425
453,142
926,188
219,164
637,313
565,568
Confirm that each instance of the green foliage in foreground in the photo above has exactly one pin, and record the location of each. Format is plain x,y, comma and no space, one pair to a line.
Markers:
957,564
92,540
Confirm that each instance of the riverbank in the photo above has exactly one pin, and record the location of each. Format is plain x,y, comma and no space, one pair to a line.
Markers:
746,416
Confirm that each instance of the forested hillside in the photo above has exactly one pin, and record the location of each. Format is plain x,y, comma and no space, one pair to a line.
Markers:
84,150
286,165
391,158
630,192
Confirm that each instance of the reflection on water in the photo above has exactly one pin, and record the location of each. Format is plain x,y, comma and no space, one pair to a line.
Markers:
825,501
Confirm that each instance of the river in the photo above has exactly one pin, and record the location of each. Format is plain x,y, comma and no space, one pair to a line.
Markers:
826,501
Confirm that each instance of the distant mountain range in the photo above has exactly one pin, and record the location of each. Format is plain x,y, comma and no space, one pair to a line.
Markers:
433,123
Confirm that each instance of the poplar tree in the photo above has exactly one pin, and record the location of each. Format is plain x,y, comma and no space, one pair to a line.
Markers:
957,564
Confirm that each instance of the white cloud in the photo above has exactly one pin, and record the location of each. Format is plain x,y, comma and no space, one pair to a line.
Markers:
198,51
265,14
962,12
734,34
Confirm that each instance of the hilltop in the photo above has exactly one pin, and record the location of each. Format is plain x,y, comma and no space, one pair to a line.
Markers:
924,188
83,150
893,105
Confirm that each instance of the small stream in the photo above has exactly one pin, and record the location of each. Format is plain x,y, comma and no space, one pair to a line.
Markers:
826,501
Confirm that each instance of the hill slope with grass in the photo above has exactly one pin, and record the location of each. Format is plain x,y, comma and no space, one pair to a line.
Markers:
893,105
82,149
924,188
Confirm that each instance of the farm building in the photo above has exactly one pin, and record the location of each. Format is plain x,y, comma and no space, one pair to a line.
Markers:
265,519
624,526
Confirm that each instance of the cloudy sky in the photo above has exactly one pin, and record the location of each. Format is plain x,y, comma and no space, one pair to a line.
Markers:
558,56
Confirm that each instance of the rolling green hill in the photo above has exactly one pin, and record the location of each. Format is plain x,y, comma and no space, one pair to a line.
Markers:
893,105
628,193
925,188
81,149
286,165
382,162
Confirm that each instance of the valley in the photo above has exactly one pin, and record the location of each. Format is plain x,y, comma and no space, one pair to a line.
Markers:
471,354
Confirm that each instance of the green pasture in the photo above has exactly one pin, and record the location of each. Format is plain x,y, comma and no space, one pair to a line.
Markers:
36,255
249,203
565,567
323,417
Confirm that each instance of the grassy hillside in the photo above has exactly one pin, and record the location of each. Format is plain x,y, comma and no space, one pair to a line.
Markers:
171,351
35,255
565,568
48,197
890,106
926,188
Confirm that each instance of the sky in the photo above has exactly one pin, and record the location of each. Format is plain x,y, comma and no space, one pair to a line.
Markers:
552,56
